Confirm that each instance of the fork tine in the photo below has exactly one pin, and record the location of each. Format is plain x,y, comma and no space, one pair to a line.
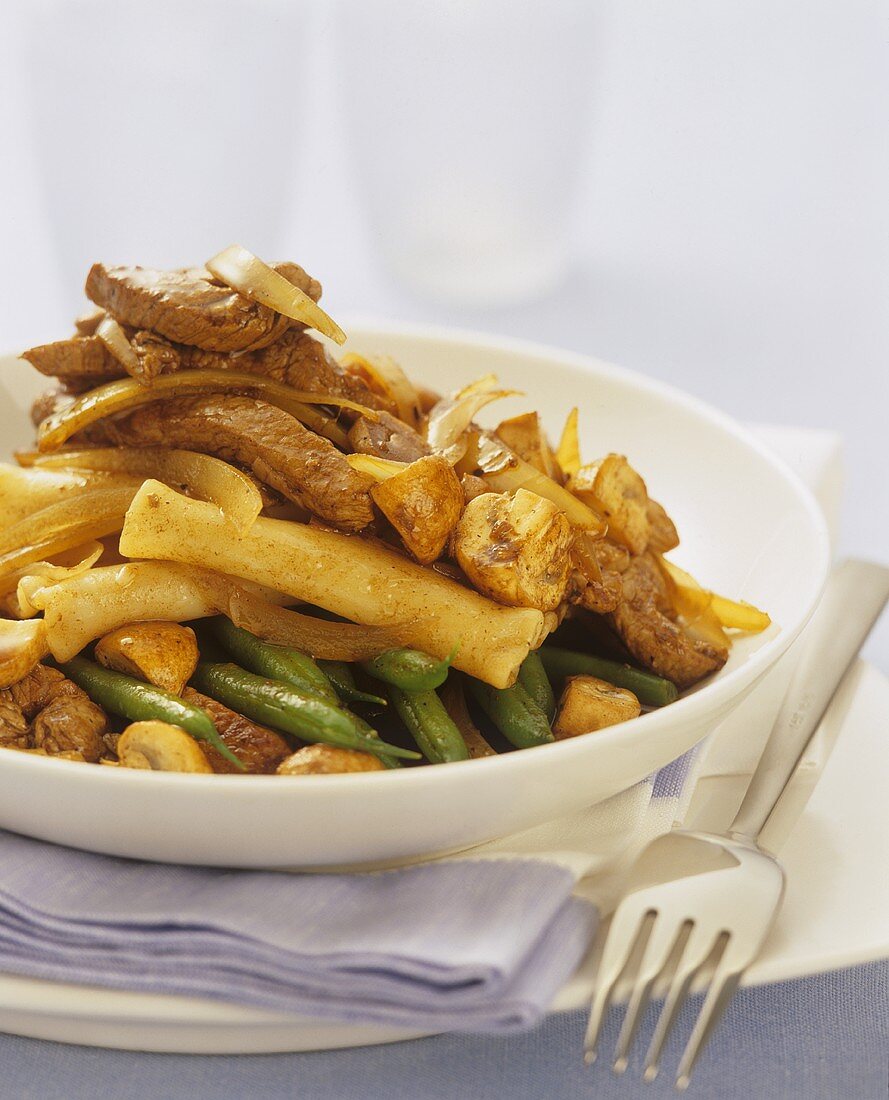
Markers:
662,948
687,962
675,1000
635,1011
621,942
721,991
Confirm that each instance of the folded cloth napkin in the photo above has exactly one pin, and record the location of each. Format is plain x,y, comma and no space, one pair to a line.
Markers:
478,943
465,945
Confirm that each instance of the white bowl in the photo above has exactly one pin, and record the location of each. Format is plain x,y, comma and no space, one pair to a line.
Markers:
749,529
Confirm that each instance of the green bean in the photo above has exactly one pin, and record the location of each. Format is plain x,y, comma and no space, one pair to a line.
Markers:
141,702
533,678
277,662
343,679
408,669
514,713
284,708
649,689
430,725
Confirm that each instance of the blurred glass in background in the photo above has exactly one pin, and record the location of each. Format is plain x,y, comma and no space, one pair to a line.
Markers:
163,129
467,121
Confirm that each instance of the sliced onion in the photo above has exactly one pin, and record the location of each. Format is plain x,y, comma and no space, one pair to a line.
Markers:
694,601
125,394
22,645
24,492
64,540
505,472
378,468
115,340
388,379
568,454
450,417
250,276
231,490
319,638
43,526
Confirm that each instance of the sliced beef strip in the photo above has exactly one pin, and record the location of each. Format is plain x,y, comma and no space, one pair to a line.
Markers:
58,715
74,359
258,748
298,360
302,466
48,403
389,437
189,307
644,620
14,732
87,323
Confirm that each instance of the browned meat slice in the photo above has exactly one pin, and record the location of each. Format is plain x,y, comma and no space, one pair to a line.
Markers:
645,621
298,360
79,357
87,323
156,355
297,275
48,403
389,437
14,732
189,306
258,748
58,716
300,465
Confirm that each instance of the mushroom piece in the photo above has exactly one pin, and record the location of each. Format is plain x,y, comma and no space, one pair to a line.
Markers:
590,704
160,653
662,533
515,549
160,747
328,760
423,503
22,645
613,488
525,435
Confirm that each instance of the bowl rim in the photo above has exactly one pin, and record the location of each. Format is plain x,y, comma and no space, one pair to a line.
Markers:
690,708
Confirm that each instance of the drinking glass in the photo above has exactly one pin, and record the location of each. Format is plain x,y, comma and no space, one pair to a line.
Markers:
468,121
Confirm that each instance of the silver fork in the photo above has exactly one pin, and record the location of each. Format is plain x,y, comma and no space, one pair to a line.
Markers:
699,903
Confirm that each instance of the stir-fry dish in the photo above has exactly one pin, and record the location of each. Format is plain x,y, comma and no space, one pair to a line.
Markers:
232,551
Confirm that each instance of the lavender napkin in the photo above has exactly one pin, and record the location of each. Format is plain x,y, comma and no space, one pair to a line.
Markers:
468,945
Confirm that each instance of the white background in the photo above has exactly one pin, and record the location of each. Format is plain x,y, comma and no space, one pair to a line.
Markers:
732,238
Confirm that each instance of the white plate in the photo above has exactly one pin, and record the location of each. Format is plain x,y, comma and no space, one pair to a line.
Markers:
750,529
834,915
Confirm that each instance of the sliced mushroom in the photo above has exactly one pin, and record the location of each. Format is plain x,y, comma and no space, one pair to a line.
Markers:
163,654
22,645
423,503
613,488
590,704
662,533
160,747
328,760
515,549
525,435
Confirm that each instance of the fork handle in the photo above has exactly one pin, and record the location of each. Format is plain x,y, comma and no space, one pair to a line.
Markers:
855,594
